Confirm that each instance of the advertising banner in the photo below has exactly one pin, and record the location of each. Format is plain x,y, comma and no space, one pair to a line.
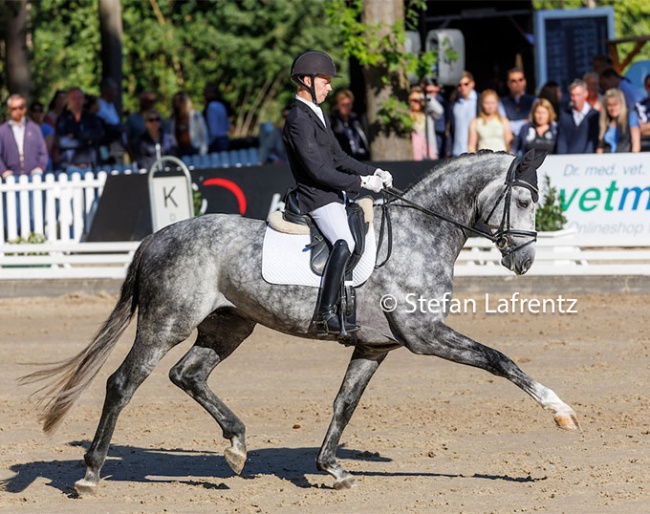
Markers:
603,195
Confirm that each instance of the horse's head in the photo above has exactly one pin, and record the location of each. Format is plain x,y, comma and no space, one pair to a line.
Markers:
507,212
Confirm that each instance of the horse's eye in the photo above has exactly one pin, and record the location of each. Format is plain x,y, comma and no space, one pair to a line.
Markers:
501,243
523,204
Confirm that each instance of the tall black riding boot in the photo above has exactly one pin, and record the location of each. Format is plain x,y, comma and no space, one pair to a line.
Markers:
327,318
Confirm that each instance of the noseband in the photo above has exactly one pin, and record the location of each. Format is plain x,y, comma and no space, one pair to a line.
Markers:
480,228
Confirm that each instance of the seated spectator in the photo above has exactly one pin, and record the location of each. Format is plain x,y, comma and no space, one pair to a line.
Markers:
610,78
643,111
135,124
112,122
36,113
594,98
619,128
540,132
22,146
489,130
187,127
516,105
217,118
423,136
577,130
347,128
55,108
271,146
153,143
78,133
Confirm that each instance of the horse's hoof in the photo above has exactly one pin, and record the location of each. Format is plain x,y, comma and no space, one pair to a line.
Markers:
345,483
235,459
567,421
84,486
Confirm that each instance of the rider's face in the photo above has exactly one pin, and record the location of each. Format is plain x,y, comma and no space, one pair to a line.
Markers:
322,87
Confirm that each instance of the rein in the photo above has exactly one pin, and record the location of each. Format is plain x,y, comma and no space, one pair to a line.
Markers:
498,237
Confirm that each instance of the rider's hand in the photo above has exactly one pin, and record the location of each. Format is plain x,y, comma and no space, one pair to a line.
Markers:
385,176
372,183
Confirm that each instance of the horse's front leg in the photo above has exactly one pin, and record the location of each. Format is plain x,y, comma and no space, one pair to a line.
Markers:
362,367
445,342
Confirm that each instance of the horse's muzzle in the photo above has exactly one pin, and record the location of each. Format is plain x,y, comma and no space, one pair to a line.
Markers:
520,260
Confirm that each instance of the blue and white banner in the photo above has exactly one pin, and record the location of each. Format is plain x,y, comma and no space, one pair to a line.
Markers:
603,195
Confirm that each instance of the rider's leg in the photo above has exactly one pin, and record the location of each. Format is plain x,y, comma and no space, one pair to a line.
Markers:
332,220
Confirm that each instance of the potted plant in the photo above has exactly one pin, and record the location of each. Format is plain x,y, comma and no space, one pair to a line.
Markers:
549,216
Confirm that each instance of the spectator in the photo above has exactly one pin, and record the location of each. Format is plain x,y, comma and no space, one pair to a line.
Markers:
619,128
187,127
552,92
423,136
78,134
347,127
271,147
464,109
517,103
22,147
135,124
540,133
153,143
432,90
489,130
578,126
594,98
113,126
36,114
217,118
643,111
609,78
55,108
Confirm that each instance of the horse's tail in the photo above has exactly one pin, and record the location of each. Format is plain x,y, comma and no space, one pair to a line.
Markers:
71,377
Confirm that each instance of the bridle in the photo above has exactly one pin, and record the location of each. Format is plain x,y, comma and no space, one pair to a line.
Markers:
480,228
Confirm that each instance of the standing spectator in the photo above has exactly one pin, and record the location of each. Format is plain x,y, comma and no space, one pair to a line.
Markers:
594,98
153,143
552,92
36,113
489,130
347,127
578,127
619,128
113,126
609,78
540,132
55,108
516,105
187,127
135,124
22,147
433,91
78,133
217,118
425,144
464,109
643,111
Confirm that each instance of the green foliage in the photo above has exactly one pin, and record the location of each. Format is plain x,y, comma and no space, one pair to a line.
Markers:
549,215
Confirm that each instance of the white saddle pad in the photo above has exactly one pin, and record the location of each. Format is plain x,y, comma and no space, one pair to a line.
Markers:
285,260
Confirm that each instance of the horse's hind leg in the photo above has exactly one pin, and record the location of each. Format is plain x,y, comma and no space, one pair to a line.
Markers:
362,367
120,387
219,335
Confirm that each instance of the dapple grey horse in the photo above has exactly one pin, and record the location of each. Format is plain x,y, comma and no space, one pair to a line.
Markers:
205,273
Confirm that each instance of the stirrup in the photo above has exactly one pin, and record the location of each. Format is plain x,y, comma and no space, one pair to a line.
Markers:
329,323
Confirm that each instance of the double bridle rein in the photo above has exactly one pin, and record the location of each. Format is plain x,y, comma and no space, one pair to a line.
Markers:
480,228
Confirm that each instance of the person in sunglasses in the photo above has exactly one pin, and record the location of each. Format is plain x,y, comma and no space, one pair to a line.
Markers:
517,104
22,146
463,110
153,143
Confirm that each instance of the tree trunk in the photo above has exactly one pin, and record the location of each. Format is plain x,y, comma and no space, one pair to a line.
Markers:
386,144
17,60
110,27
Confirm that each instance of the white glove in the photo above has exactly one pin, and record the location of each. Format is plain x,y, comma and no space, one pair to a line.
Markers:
372,183
385,176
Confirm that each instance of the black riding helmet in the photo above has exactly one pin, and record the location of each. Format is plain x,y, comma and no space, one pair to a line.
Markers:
312,63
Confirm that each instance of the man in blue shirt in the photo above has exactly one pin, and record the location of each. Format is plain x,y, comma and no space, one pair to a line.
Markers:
609,79
516,105
463,111
217,119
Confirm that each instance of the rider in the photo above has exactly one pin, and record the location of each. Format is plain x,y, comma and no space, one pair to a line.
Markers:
324,174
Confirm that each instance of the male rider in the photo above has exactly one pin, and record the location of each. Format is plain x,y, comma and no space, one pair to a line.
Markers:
324,174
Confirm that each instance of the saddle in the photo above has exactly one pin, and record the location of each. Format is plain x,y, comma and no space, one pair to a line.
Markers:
292,222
